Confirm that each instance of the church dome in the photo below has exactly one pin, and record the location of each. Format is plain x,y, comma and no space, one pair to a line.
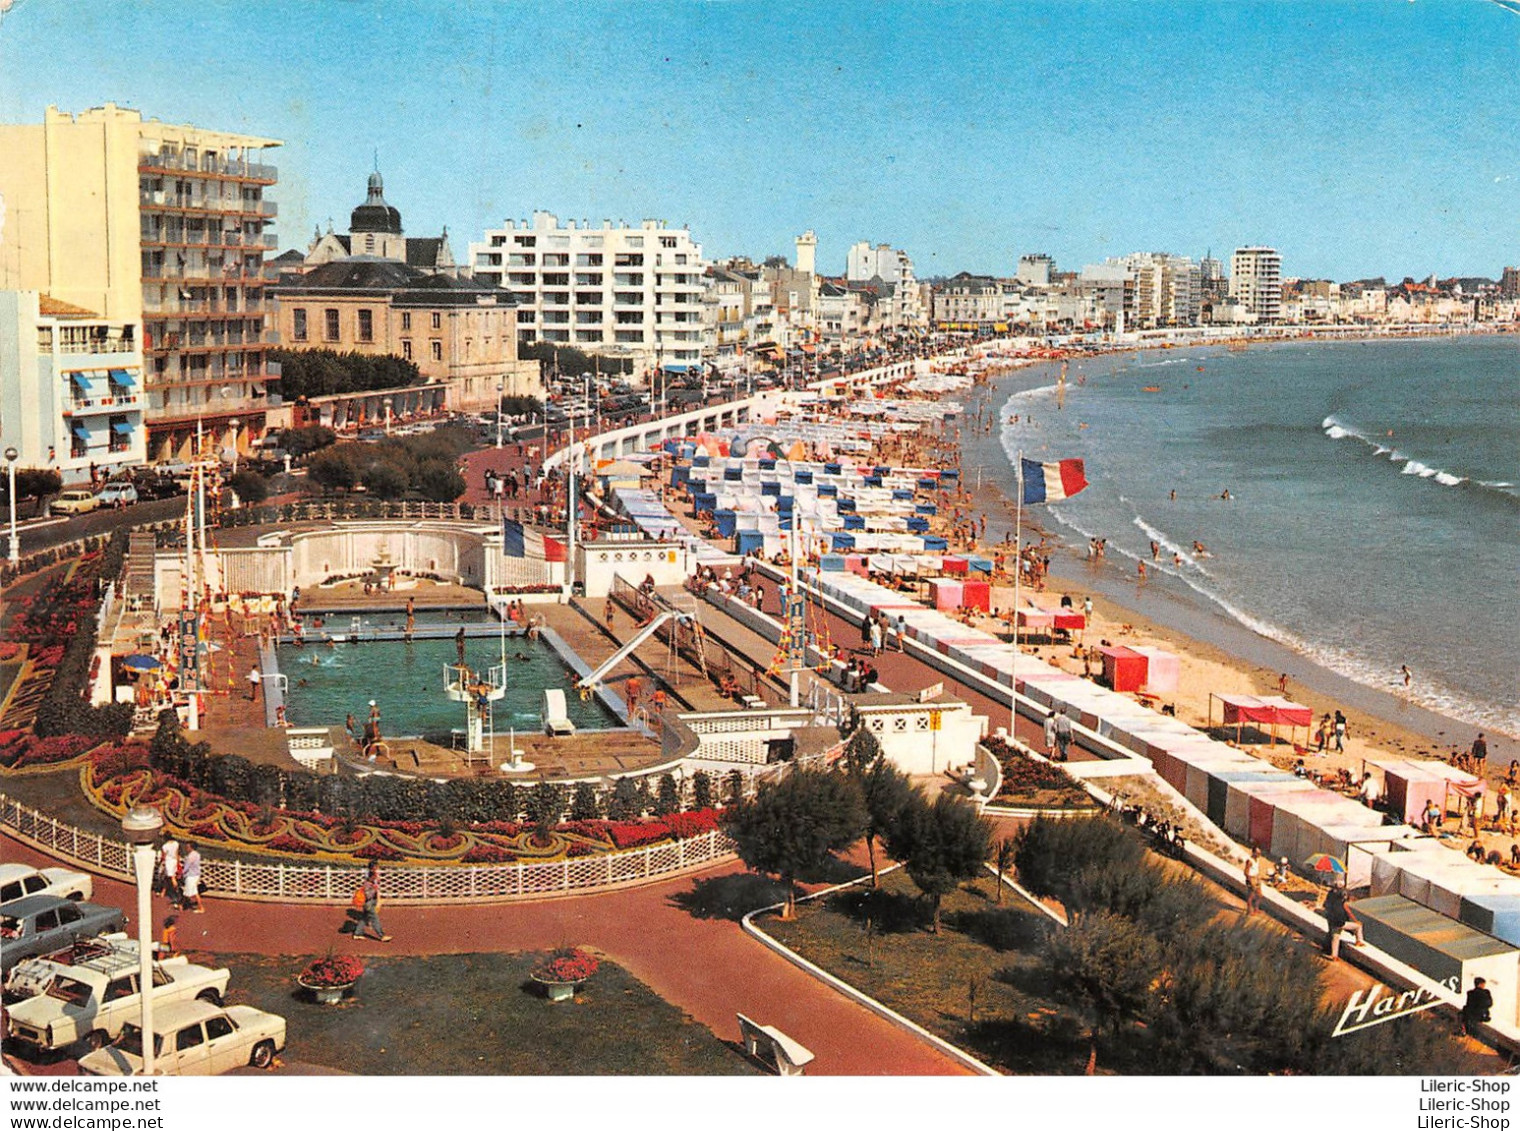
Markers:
374,215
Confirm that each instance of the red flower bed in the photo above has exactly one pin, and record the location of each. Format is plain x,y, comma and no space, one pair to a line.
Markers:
568,965
9,650
287,843
378,851
693,823
29,750
630,834
488,854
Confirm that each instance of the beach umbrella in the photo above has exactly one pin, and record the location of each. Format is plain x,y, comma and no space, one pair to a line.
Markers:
1323,864
142,663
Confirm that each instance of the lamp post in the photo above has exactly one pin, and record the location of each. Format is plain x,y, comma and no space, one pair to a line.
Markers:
11,456
141,827
233,424
501,390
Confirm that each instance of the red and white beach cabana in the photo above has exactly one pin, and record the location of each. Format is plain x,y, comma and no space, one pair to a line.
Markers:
1270,711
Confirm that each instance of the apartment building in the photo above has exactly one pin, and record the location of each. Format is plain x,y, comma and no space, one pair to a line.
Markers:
71,387
158,225
887,273
618,291
1159,289
1256,282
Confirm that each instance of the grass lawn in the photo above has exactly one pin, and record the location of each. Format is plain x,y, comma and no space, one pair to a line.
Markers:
480,1014
928,978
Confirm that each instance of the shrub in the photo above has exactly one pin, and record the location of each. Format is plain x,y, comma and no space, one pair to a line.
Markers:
668,799
701,790
586,805
623,804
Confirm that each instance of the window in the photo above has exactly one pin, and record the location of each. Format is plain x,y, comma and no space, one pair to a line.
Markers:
406,319
556,260
366,326
331,328
118,988
188,1038
526,241
437,348
298,324
218,1027
437,320
667,241
588,259
406,348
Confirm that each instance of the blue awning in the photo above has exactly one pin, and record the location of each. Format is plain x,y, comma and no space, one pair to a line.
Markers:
121,427
123,378
672,368
80,430
84,382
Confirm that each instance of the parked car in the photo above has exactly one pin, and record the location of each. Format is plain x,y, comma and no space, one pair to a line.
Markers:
117,495
17,881
194,1038
152,484
93,999
31,976
75,501
40,923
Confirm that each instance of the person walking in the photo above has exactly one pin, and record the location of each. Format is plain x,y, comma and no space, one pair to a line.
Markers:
902,635
190,879
369,906
1340,733
1479,755
1251,871
168,870
255,677
875,637
1063,735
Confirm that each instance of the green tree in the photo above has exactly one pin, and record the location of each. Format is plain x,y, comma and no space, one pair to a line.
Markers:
585,806
334,468
1003,855
319,373
884,788
438,481
251,487
31,483
796,825
546,804
1075,861
940,845
1106,964
303,441
384,480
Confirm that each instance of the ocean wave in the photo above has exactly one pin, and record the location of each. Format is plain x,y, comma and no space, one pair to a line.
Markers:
1159,537
1408,465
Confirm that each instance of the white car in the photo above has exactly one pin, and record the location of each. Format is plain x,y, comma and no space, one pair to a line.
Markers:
31,976
17,881
117,495
193,1038
92,1000
74,502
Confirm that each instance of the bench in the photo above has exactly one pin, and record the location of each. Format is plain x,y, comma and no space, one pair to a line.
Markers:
788,1056
752,702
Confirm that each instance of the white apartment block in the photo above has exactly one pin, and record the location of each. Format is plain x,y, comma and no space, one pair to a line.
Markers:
1256,282
71,387
865,262
617,291
1160,289
1035,270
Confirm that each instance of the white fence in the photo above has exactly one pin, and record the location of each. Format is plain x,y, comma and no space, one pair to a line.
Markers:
335,883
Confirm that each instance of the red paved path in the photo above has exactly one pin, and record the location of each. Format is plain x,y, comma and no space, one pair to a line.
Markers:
707,967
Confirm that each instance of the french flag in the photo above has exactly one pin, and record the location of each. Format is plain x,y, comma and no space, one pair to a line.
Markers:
1052,482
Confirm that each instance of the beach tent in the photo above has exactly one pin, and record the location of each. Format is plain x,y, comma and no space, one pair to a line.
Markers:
1408,788
1270,711
977,595
1123,668
1162,670
1497,914
1442,949
946,594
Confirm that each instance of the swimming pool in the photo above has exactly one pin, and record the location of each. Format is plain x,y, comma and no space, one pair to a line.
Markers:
327,683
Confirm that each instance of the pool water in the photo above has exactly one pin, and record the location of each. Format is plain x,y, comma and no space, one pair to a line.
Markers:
325,684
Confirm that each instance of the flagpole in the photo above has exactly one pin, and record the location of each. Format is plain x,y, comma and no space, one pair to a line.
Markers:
1018,571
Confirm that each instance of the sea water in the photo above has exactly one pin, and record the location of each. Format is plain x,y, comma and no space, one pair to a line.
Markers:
1373,517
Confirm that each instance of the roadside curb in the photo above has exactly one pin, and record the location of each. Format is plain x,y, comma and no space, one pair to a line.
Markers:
849,991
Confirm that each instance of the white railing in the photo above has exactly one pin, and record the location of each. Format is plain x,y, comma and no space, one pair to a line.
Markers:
335,883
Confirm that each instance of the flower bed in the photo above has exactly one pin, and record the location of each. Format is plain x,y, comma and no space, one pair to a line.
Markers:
1030,782
117,777
568,964
20,750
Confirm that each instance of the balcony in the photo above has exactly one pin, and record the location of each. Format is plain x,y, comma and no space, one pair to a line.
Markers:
176,163
113,343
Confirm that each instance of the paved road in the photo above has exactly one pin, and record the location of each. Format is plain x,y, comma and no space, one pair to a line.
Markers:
705,966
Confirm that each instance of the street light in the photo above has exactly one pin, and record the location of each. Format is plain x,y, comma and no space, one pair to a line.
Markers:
11,456
141,827
501,390
233,424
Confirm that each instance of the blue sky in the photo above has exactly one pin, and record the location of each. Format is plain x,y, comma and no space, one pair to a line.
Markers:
1361,137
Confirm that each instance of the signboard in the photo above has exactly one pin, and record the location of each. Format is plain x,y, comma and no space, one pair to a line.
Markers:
933,691
1373,1007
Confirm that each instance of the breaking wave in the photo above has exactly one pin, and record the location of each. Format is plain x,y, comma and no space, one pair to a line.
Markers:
1408,465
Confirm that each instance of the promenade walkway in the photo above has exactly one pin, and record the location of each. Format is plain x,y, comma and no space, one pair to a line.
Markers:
706,966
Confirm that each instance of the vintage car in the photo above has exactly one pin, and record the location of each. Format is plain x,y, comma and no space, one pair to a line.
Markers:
91,1000
40,923
31,976
76,501
194,1038
117,495
17,881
